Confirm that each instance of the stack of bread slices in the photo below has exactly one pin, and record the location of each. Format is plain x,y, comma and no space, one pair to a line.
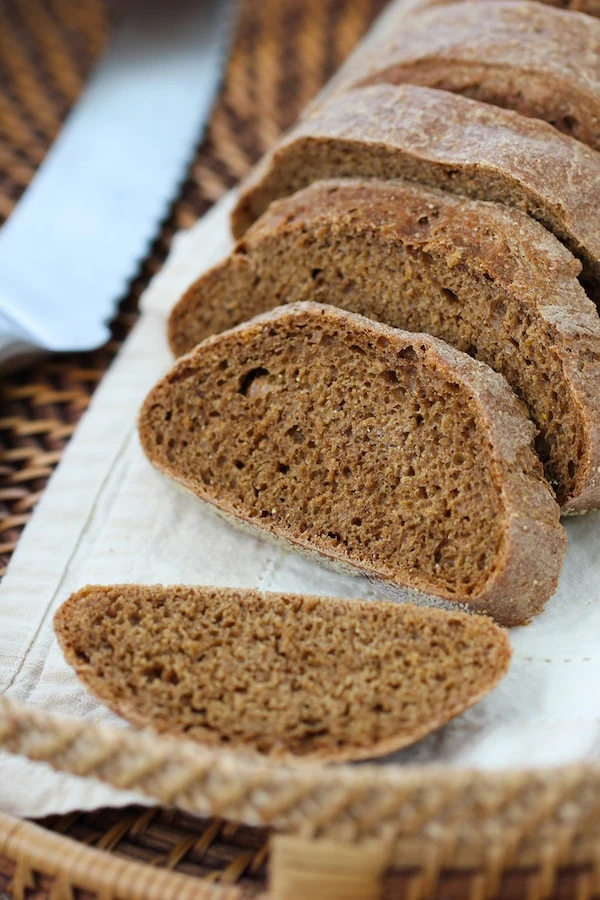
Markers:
446,185
396,369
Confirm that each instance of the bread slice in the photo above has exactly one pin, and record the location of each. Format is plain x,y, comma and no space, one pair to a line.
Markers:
281,674
541,61
441,140
375,448
488,280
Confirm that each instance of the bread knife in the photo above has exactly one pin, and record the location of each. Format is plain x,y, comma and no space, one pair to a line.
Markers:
79,232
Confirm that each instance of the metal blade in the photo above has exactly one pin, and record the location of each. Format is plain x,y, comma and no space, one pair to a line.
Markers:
86,220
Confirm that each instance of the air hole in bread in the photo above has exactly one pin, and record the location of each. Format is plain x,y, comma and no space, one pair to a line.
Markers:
249,379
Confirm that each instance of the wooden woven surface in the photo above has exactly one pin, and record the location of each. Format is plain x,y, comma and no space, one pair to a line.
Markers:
225,854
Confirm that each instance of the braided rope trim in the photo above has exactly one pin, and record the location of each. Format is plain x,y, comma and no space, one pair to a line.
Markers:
425,817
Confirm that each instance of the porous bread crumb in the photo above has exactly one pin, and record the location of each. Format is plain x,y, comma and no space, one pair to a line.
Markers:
281,674
487,279
370,446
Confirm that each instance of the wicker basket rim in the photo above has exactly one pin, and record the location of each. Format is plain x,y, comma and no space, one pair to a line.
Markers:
472,816
23,722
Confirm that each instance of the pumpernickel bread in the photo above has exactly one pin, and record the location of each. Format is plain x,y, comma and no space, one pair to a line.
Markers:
442,140
281,674
487,279
377,449
541,61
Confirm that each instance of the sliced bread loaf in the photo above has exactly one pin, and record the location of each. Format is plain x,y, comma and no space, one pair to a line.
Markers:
281,674
487,279
542,61
442,140
375,448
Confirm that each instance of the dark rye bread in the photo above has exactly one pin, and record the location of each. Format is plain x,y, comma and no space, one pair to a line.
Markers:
375,448
442,140
281,674
487,279
542,61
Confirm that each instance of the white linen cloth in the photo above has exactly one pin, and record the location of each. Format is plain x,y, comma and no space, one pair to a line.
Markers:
107,517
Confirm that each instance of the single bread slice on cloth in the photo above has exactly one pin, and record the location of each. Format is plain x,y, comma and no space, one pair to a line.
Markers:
282,674
377,449
441,140
487,279
538,60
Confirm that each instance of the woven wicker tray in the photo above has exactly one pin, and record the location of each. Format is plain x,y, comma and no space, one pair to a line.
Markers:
548,840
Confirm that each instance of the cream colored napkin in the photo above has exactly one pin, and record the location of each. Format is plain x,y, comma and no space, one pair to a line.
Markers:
108,517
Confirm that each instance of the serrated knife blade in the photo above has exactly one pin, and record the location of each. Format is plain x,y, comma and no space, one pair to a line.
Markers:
77,235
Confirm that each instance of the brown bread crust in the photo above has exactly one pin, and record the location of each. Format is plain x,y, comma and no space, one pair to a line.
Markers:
441,140
403,254
286,675
208,414
538,60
